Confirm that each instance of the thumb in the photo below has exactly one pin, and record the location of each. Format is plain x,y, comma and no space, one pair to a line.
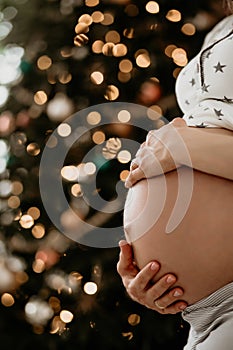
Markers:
178,122
134,176
126,265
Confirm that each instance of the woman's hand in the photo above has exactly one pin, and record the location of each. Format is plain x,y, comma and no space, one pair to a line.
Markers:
160,153
159,296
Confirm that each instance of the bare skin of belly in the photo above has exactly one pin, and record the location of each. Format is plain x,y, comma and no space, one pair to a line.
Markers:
199,251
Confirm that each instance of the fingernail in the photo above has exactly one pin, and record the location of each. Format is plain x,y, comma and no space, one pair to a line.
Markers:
182,307
154,266
170,279
177,293
128,184
122,243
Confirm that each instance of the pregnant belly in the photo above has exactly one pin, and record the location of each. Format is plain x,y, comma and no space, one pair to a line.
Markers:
199,251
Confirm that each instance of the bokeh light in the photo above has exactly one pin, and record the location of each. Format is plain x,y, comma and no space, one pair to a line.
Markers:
66,316
173,15
38,231
90,288
94,118
7,299
124,116
26,221
152,7
112,93
124,156
44,62
188,29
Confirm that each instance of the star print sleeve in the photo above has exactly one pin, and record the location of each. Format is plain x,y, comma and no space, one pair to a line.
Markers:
207,85
211,113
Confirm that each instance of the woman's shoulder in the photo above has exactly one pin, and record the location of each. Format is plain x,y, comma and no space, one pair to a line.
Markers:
220,30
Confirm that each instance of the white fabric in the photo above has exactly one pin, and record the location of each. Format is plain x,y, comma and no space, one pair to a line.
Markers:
211,321
204,88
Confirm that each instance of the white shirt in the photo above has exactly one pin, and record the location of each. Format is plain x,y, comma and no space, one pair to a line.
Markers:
204,88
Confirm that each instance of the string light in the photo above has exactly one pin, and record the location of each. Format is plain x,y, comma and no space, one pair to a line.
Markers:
97,46
38,231
152,7
94,118
17,187
124,174
173,15
108,19
119,50
76,190
97,16
124,116
85,18
89,168
98,137
143,60
7,299
188,29
66,316
97,78
13,202
90,288
40,97
69,172
134,319
64,130
179,56
124,156
112,93
125,66
33,149
34,212
169,49
112,36
44,62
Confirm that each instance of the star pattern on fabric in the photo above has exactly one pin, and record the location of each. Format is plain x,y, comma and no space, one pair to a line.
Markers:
201,95
219,67
202,125
228,100
205,88
192,81
218,113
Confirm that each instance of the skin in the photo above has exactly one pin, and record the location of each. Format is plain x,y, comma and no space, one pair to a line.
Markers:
139,283
192,249
211,154
139,286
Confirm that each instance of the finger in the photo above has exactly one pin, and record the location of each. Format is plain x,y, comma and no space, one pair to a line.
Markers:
125,264
173,309
169,298
160,287
143,278
134,177
133,165
178,122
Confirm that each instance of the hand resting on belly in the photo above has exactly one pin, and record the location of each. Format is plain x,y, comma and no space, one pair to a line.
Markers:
199,251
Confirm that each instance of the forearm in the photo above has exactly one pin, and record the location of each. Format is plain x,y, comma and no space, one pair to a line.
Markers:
210,149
